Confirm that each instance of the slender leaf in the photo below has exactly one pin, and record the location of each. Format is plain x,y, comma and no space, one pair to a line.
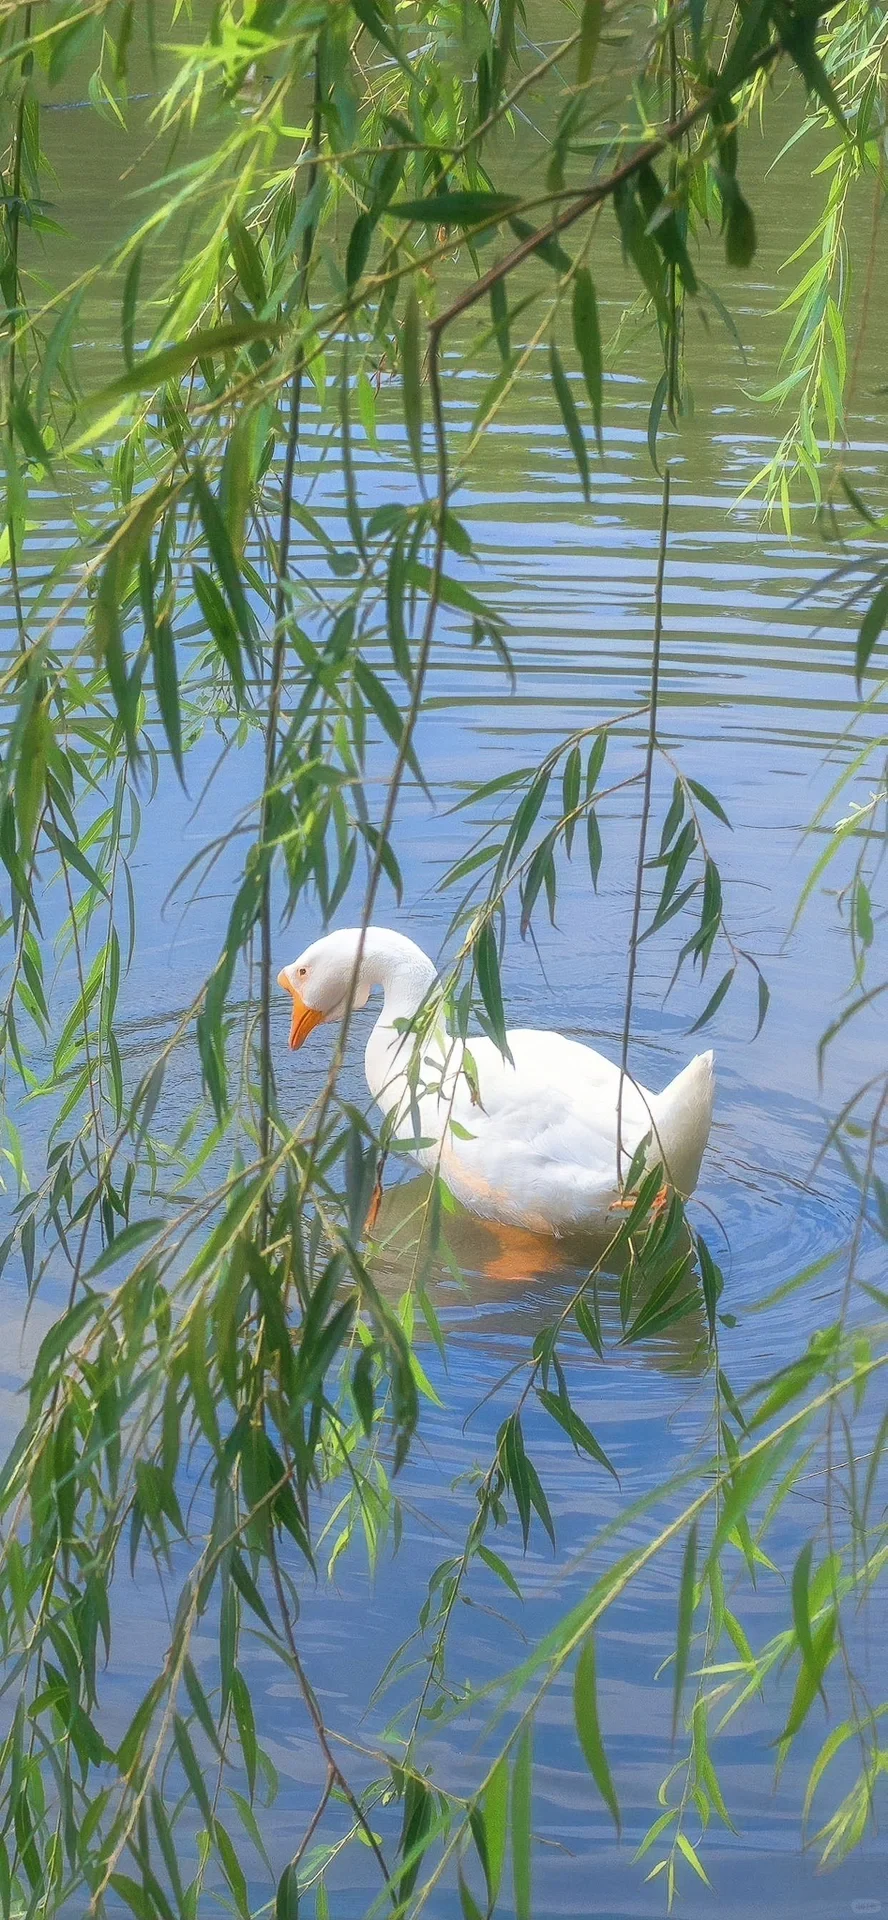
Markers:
522,1830
685,1622
589,1730
587,333
569,415
411,378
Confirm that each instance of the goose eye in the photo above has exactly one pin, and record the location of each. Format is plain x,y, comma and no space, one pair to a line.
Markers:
302,973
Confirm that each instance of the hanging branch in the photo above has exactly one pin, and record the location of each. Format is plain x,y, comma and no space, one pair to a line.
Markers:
281,611
645,811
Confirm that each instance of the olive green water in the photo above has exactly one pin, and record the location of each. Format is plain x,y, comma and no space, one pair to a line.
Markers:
756,686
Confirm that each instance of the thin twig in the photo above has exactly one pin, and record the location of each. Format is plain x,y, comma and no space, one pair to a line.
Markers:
13,218
277,669
335,1775
644,156
645,814
401,757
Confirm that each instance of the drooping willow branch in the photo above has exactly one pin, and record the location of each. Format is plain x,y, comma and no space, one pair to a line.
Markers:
641,850
281,610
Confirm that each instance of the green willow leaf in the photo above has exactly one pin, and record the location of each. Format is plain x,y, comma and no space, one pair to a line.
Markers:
801,1577
219,542
811,1676
129,544
30,773
223,630
540,871
286,1899
232,1870
595,762
740,233
515,1467
451,593
655,415
166,1839
380,702
587,340
28,434
411,378
527,813
456,208
499,312
419,1816
569,415
70,37
166,686
591,21
538,1498
872,627
236,487
131,1745
498,1566
589,1730
576,1429
685,1622
487,788
56,355
488,973
692,1858
595,849
712,1280
467,1901
478,1829
496,1820
358,249
547,246
589,1322
136,1897
799,36
169,363
663,225
373,17
713,1004
837,1738
570,793
708,800
674,816
522,1827
136,1235
639,247
387,857
247,261
129,307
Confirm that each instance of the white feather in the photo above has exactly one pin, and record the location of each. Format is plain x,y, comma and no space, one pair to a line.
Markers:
537,1148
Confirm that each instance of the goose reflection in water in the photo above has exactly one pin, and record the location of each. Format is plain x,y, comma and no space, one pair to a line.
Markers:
481,1264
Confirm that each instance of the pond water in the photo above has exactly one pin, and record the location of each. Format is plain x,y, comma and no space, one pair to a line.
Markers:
757,682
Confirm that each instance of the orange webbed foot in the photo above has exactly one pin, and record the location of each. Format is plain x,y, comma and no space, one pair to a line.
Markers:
521,1255
627,1201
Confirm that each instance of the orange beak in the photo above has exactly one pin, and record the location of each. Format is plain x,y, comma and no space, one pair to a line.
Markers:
304,1018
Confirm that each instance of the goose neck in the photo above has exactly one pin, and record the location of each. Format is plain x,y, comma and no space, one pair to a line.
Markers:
405,975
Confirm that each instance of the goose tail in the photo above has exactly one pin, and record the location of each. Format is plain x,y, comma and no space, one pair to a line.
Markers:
682,1116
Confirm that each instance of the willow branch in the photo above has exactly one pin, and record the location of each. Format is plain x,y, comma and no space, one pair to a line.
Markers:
277,667
645,815
644,156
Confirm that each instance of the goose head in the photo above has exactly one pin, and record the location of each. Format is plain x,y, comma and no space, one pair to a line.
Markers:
319,981
323,979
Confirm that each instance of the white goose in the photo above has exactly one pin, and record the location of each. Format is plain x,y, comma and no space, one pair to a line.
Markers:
538,1148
